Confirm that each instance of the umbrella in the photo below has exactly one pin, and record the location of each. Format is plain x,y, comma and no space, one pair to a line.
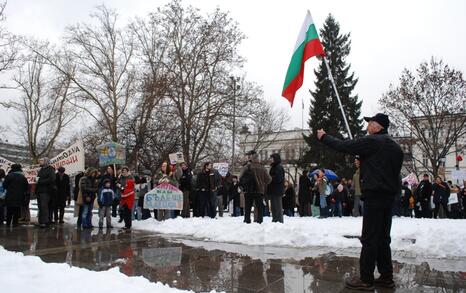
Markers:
328,173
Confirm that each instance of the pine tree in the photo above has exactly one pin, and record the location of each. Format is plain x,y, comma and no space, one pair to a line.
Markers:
324,111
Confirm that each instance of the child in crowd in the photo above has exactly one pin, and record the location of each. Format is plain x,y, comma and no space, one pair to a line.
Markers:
105,200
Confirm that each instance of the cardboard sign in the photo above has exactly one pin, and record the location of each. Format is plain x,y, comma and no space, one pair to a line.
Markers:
162,257
453,198
111,153
222,168
5,164
72,159
30,172
164,197
176,158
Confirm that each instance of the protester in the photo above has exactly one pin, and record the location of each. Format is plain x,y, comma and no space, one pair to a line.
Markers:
126,187
406,200
77,197
45,190
337,198
2,197
234,195
322,185
358,204
217,200
63,194
455,203
16,186
441,192
381,161
105,201
254,180
186,187
276,188
88,186
110,175
423,194
145,187
305,195
165,175
289,200
205,186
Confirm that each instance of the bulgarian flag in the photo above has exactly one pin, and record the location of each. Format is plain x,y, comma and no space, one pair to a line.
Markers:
308,45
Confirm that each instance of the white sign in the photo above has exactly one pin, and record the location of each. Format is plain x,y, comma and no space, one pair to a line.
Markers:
162,257
458,174
453,198
411,179
72,159
5,164
176,158
222,168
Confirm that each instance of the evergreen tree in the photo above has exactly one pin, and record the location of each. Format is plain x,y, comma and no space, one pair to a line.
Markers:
324,111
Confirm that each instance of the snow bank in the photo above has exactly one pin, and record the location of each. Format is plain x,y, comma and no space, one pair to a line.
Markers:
435,238
25,274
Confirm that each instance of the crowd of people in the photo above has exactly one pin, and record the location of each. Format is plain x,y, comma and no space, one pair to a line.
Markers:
208,194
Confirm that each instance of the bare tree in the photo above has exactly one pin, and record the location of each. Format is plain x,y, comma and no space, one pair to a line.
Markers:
428,106
43,106
8,48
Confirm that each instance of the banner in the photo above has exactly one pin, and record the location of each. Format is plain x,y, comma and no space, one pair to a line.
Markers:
111,153
5,164
72,159
458,174
176,158
164,197
222,168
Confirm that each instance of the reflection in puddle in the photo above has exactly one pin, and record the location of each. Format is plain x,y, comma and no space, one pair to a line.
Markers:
185,265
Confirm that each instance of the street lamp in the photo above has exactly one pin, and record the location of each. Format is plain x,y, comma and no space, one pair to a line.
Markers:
234,80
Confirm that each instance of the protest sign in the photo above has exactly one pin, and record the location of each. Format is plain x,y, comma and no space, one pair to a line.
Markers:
164,197
222,168
30,172
458,174
411,179
453,198
162,257
111,153
176,158
5,164
72,159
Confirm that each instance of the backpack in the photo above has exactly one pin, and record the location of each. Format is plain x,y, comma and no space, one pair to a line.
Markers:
248,181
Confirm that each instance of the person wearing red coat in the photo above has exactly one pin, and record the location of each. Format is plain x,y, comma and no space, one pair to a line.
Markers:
126,188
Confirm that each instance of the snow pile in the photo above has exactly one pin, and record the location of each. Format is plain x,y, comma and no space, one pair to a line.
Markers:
25,274
424,237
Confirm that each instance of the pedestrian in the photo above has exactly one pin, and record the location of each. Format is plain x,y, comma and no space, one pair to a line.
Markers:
441,192
381,161
305,195
423,195
276,188
254,179
63,194
105,201
234,195
358,204
289,199
205,186
2,197
324,189
186,181
16,186
89,187
45,190
126,185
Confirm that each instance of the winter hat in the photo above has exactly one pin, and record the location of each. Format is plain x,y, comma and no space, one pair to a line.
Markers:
46,161
380,118
16,168
61,170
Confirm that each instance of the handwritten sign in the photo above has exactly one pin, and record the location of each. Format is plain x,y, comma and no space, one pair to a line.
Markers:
164,197
111,153
72,159
5,164
176,158
222,168
453,198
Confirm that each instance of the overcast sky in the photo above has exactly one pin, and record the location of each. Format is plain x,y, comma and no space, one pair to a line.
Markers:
387,36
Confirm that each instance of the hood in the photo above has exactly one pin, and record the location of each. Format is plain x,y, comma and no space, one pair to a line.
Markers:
276,159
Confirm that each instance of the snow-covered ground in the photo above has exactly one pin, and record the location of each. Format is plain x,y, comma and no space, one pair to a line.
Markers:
26,274
436,238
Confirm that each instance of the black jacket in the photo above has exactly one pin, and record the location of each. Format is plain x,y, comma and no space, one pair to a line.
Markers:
289,200
276,187
63,189
205,181
381,161
89,187
186,180
424,191
305,190
405,196
16,186
46,183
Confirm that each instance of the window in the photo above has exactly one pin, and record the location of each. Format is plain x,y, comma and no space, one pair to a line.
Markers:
425,160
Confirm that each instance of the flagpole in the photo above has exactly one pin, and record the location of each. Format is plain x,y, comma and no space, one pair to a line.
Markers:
338,97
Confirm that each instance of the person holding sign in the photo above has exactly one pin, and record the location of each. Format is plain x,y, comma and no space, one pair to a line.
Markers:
126,187
164,176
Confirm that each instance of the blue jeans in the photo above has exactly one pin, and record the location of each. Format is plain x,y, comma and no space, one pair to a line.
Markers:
289,212
236,211
323,206
87,215
337,211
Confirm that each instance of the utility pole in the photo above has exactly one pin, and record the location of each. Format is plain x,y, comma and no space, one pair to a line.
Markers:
234,80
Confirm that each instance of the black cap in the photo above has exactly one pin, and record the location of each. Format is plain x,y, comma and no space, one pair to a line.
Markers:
380,118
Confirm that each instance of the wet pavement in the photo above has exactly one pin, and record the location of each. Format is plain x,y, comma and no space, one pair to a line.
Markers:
139,253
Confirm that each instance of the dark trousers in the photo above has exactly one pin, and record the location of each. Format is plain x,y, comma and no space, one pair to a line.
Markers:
44,202
305,209
58,214
80,216
2,212
277,208
255,198
185,213
426,211
212,206
375,240
115,206
12,215
126,211
204,203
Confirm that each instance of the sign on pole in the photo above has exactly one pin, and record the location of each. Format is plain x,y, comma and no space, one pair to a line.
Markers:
72,159
5,164
164,197
111,153
222,168
458,174
176,158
